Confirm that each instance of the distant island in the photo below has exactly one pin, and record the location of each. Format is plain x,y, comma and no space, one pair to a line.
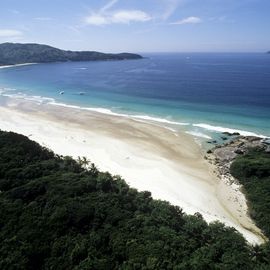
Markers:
17,53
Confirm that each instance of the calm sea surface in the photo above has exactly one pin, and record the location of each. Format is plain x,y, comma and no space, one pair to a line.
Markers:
204,93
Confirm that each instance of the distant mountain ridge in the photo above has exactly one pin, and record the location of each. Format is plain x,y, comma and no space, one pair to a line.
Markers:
17,53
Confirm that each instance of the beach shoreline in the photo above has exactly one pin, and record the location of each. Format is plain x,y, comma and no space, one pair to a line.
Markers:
17,65
149,157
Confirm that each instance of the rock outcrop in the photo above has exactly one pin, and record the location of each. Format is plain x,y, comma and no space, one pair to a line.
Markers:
222,156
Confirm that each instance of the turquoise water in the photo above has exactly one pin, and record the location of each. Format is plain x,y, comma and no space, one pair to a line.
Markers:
204,93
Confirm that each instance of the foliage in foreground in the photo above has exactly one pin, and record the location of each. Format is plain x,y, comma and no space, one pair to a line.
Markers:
253,172
57,215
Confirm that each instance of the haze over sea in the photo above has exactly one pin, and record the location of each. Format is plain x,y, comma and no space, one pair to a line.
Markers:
206,93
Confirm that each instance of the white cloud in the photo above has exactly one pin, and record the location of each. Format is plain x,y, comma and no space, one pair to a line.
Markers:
120,17
172,5
10,33
106,16
109,5
127,16
97,19
188,20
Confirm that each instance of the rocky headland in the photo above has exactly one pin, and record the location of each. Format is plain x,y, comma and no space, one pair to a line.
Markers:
222,156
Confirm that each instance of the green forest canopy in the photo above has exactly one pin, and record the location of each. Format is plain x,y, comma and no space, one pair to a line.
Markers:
17,53
55,214
253,172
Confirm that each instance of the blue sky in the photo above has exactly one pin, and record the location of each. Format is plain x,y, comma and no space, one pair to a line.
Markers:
139,25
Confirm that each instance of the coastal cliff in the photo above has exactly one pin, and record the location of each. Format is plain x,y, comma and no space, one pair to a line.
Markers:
16,53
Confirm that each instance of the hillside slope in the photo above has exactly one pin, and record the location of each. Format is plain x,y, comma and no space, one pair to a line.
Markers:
16,53
55,214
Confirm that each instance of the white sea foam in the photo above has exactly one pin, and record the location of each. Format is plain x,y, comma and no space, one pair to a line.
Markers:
109,112
8,89
105,111
17,65
98,110
175,132
19,95
146,118
160,120
199,134
230,130
3,90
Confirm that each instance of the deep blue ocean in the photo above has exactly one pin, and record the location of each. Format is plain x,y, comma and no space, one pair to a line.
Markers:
206,93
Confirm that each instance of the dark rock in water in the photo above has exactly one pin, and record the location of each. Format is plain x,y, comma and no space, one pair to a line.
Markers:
209,151
224,138
231,134
214,141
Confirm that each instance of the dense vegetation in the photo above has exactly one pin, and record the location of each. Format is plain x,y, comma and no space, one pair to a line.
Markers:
55,214
16,53
253,172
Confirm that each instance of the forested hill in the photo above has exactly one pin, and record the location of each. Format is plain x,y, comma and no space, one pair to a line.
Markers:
16,53
55,214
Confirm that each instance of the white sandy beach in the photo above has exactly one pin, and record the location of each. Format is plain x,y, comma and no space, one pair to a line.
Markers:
17,65
147,156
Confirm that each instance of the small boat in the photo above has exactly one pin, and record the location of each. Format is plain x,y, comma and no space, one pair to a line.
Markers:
62,92
81,93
